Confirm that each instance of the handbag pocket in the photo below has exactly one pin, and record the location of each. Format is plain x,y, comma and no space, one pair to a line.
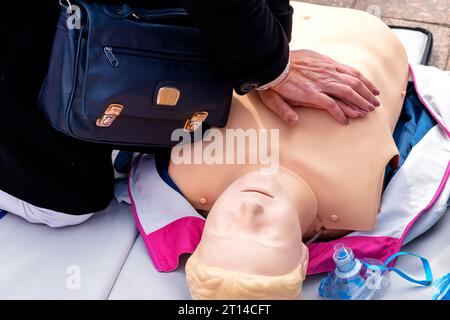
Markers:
153,70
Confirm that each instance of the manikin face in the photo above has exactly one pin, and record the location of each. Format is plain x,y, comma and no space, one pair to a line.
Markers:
253,228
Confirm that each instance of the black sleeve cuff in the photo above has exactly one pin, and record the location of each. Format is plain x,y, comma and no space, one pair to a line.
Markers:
268,74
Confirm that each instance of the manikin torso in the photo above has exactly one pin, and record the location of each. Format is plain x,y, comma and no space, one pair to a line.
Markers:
343,165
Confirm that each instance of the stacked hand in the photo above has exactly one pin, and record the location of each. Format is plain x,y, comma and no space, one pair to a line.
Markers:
317,81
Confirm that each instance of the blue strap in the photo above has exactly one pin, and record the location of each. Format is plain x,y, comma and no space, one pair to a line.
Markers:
2,213
425,263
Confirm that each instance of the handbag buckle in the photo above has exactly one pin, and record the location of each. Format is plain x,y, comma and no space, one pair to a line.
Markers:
110,115
195,121
168,96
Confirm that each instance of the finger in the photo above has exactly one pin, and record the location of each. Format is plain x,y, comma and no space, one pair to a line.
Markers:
330,105
350,111
276,103
360,88
357,74
347,94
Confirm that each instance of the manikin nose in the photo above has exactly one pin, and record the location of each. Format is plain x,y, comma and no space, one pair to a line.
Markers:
251,209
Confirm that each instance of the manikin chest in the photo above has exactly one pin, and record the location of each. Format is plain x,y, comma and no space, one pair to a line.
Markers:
344,165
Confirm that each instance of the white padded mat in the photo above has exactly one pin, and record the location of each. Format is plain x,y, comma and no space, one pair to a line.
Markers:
415,43
140,280
82,262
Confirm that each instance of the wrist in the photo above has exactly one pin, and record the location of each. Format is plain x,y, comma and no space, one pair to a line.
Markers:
279,79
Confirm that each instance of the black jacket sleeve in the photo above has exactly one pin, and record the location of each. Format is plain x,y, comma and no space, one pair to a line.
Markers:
250,37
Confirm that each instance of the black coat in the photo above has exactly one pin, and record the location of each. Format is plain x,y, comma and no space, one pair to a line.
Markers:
50,170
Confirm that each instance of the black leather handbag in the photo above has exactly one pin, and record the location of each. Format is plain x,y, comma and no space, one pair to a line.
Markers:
125,76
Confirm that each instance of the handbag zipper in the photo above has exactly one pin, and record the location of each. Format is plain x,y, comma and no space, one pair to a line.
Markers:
112,58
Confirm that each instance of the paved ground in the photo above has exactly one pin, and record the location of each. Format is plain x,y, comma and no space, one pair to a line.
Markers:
433,15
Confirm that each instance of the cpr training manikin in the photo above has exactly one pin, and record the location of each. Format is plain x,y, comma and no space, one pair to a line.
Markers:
327,184
331,175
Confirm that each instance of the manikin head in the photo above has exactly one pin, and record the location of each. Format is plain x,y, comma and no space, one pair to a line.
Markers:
251,246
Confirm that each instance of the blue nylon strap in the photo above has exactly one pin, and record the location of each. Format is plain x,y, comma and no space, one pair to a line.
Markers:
425,263
2,213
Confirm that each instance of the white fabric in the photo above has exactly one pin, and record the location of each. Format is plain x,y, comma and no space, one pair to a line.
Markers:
35,214
434,85
153,212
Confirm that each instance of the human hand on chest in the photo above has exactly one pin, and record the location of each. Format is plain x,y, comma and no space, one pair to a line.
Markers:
317,81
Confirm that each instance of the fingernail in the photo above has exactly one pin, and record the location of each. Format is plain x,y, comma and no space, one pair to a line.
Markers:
292,119
377,102
377,92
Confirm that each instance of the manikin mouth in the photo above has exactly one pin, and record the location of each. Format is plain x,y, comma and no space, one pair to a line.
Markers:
264,193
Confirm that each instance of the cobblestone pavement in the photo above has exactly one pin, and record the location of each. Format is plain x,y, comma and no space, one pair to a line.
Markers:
433,15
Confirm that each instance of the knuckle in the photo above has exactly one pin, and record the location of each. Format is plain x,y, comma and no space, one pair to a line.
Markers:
328,85
330,67
354,83
348,91
358,84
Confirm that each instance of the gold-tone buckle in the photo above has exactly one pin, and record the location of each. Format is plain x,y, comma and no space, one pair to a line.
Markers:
195,121
111,113
168,96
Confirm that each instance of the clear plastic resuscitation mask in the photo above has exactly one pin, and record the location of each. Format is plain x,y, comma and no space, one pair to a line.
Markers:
363,279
